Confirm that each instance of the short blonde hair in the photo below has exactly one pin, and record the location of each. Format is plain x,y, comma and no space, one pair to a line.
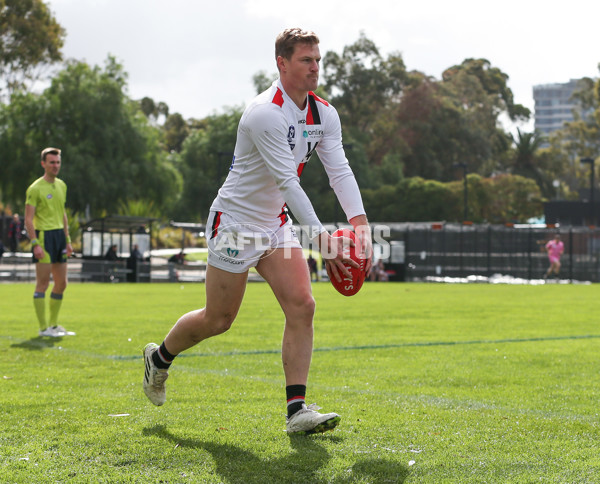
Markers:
286,41
49,151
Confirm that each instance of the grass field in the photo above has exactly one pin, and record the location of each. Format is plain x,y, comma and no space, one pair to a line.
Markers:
434,383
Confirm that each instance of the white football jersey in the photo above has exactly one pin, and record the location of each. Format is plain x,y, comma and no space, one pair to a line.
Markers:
275,140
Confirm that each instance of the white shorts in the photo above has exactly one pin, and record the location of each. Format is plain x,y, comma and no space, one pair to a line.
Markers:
236,246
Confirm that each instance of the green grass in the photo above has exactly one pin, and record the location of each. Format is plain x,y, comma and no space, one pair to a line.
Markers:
434,383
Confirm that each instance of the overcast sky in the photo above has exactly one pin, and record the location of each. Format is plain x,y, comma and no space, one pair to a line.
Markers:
199,56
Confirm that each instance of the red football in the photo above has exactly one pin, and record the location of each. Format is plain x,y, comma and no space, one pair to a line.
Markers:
350,286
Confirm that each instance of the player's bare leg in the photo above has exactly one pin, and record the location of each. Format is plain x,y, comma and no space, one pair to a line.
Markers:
42,276
59,275
42,281
286,271
224,294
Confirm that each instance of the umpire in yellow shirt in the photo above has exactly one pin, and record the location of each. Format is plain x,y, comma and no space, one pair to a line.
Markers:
48,229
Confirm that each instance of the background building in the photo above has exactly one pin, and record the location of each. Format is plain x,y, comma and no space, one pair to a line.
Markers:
554,105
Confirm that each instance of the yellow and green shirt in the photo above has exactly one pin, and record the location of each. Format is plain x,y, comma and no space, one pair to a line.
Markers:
49,201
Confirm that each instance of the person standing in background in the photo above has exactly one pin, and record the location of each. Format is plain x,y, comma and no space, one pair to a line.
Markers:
555,249
48,229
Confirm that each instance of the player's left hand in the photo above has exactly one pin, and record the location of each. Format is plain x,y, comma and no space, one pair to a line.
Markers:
363,232
69,250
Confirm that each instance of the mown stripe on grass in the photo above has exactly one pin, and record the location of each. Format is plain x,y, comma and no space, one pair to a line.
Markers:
383,346
40,343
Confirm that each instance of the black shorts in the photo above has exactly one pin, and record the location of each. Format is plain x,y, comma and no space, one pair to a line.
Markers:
54,244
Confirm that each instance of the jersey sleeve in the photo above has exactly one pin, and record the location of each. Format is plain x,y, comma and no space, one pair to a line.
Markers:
31,196
341,177
268,130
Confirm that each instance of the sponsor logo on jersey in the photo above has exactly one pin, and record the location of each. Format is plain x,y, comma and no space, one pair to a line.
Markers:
232,252
49,196
292,136
231,261
313,133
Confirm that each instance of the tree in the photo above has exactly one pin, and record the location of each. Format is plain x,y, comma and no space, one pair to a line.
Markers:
530,162
494,83
262,81
30,37
510,198
578,139
363,86
175,131
204,162
111,153
153,110
417,125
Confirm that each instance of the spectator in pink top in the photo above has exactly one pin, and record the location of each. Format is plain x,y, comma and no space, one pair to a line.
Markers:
555,248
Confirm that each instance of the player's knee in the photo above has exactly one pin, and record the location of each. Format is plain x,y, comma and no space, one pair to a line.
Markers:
42,285
303,308
222,323
310,305
60,286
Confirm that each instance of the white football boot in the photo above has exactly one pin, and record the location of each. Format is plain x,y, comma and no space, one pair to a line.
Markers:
56,332
49,331
60,331
154,378
308,421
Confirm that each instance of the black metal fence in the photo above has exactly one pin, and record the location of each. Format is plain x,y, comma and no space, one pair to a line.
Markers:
418,252
455,250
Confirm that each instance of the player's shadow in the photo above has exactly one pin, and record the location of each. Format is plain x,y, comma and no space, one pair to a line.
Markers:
378,470
38,343
237,465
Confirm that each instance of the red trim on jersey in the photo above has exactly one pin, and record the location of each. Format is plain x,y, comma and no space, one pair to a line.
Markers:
317,98
309,116
215,225
283,216
301,168
278,98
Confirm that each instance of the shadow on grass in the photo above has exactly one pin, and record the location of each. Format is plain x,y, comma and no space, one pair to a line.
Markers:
304,464
378,470
38,343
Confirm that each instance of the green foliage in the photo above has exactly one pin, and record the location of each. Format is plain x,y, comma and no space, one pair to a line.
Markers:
363,87
530,161
138,208
434,383
362,83
263,80
110,152
424,124
494,83
500,199
175,131
204,162
30,37
509,198
403,133
152,109
383,203
74,228
447,122
578,139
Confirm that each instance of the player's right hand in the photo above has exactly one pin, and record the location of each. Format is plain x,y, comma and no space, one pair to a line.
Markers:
335,255
38,252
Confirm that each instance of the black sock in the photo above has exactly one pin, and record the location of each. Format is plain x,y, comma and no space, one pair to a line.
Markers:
162,358
295,398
